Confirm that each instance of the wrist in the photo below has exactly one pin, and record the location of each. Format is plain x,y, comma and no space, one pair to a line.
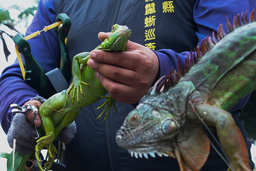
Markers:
39,98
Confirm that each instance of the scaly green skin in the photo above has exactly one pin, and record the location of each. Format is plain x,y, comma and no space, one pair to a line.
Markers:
170,122
61,109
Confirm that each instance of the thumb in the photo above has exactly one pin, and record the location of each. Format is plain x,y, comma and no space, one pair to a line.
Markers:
103,35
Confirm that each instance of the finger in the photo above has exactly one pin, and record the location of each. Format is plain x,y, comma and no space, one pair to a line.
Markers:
126,60
103,35
116,73
120,92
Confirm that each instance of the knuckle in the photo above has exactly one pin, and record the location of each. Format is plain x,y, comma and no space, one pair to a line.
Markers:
114,74
142,62
148,64
113,90
144,83
121,58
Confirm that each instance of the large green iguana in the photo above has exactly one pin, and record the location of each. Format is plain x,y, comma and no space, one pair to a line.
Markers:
170,118
62,108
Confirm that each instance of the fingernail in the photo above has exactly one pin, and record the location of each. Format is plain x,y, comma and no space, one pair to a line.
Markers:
93,55
97,74
90,63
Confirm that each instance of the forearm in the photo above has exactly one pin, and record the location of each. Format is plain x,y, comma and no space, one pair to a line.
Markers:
13,90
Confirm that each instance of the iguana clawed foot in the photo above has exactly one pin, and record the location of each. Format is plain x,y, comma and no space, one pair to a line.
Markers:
109,103
41,143
77,87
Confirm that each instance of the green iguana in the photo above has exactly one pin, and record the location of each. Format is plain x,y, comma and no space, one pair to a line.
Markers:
170,118
62,108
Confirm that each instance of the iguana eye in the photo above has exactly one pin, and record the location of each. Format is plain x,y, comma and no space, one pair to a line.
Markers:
134,118
114,27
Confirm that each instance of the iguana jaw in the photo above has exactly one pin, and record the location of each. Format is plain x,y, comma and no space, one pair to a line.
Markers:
160,148
145,150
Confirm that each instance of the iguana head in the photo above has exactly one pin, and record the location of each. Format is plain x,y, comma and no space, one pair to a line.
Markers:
147,130
117,40
152,126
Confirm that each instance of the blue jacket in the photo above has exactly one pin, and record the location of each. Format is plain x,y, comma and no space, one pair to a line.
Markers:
170,28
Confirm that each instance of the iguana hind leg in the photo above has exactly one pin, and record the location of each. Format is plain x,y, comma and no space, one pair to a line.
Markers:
47,112
46,141
230,136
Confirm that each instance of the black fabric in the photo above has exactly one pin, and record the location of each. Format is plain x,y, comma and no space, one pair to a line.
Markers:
249,116
92,16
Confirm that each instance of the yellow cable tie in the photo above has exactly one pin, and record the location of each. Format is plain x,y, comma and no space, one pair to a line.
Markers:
56,24
32,35
22,68
46,28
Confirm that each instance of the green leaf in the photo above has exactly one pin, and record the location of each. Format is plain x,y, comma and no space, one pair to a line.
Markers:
4,155
27,12
19,161
4,16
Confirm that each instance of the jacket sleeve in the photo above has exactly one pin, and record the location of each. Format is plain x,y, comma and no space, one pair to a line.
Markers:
45,49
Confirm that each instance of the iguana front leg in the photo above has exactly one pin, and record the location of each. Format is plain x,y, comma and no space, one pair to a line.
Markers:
228,133
76,88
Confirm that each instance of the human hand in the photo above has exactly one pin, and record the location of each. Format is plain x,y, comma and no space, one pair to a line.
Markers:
128,75
22,130
66,135
25,133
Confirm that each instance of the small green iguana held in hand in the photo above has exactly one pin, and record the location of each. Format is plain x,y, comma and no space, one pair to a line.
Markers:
62,108
169,120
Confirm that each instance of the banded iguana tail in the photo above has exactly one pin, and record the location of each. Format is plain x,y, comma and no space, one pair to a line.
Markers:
170,118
